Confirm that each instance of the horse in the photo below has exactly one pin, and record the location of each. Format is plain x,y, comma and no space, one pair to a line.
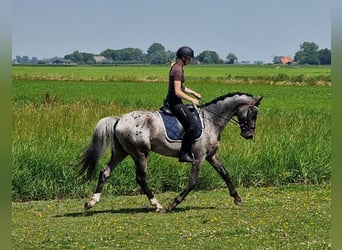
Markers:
138,132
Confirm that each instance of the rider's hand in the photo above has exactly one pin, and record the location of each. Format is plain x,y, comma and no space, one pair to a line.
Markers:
195,101
198,96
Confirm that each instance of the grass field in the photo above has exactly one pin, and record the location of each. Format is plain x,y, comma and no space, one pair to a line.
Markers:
292,143
283,174
265,74
291,217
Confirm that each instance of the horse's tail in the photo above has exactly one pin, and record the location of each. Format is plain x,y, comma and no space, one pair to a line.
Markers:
103,136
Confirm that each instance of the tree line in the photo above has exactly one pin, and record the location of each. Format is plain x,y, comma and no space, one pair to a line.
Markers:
308,53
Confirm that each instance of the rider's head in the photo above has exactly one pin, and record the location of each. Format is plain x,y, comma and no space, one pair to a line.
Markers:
185,53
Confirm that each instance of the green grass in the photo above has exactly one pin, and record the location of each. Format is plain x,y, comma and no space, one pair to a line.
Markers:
291,145
284,217
292,142
283,174
266,74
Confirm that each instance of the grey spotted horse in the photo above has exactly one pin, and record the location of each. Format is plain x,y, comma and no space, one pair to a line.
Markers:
139,132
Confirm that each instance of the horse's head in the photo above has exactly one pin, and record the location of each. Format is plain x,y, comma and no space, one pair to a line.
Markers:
247,115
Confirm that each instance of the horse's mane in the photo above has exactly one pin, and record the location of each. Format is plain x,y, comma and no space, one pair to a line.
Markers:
220,98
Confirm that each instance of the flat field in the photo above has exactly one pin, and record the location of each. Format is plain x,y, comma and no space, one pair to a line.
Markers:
53,122
287,217
265,74
56,108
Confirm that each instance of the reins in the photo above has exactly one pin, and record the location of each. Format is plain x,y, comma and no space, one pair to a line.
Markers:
232,119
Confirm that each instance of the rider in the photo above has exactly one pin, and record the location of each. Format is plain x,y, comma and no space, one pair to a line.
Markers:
176,92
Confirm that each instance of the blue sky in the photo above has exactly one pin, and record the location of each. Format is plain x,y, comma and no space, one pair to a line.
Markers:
252,30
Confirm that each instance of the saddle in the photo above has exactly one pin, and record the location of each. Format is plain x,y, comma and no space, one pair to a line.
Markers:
174,130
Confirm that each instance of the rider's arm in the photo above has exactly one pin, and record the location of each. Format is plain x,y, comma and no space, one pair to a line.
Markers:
192,92
183,94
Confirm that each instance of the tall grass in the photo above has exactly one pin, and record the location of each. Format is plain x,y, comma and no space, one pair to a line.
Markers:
291,145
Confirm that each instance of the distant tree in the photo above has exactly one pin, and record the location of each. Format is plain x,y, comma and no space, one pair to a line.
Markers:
209,57
81,57
128,54
156,54
88,58
231,57
75,56
160,57
298,56
157,57
108,53
132,55
307,54
276,60
324,56
154,48
169,55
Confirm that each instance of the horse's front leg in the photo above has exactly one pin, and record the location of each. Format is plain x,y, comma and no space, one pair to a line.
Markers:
217,164
195,170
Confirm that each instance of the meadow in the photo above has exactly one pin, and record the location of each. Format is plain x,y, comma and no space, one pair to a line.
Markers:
283,173
287,217
53,122
265,74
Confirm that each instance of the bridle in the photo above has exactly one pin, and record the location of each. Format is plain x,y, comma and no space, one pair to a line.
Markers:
242,124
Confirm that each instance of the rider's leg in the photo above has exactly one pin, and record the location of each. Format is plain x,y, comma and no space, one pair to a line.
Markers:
189,123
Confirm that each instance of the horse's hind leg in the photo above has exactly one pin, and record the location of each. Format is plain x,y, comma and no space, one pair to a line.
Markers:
217,164
141,178
104,174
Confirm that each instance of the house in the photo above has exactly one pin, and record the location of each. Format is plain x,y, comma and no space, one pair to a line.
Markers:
285,60
99,59
102,59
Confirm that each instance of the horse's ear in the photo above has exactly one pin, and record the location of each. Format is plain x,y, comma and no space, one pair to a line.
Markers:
258,100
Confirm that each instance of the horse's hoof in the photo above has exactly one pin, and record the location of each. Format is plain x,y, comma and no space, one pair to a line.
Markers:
89,204
161,211
171,207
238,202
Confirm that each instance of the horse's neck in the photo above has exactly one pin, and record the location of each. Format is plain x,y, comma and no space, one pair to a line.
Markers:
217,116
224,110
227,108
233,103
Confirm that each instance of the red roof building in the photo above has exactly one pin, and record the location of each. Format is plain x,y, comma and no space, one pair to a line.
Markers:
286,60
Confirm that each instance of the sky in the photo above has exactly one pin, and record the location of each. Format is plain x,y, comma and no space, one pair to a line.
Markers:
252,30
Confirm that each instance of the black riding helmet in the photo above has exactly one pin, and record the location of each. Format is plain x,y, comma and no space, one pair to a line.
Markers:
185,51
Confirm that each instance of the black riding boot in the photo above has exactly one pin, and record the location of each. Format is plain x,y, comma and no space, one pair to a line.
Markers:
186,154
185,157
189,123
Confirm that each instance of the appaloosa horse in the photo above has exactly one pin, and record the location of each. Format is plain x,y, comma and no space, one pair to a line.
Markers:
139,132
